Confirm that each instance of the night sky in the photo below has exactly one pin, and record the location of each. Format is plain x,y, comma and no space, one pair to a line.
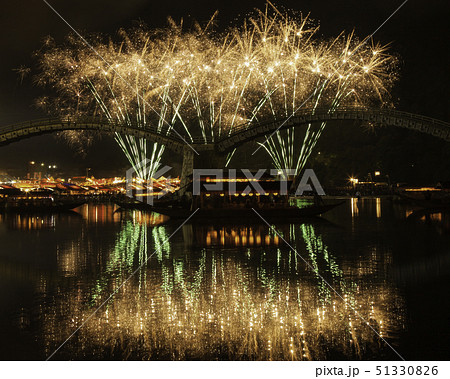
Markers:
418,33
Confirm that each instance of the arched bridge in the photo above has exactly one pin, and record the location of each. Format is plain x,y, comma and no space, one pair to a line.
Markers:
32,128
380,117
238,136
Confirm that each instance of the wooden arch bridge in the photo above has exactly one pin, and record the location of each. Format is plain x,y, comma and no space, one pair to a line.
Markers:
239,135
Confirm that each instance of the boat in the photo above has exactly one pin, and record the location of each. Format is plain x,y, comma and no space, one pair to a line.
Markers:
289,213
180,212
233,199
433,200
125,202
42,201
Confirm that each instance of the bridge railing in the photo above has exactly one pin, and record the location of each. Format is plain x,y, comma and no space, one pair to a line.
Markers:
69,121
102,124
321,114
306,115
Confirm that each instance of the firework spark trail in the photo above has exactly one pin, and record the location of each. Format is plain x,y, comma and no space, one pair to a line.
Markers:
303,157
204,84
140,151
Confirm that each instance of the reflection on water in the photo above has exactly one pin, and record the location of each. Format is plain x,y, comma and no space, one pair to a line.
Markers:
354,202
28,222
378,205
215,292
221,308
440,220
368,204
98,214
210,303
237,235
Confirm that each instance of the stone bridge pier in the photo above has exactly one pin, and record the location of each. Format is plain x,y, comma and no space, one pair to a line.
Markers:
199,156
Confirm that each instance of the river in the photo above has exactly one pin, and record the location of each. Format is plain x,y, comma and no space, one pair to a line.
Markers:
363,282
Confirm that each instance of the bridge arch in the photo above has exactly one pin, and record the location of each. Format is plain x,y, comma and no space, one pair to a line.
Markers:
239,135
12,133
386,117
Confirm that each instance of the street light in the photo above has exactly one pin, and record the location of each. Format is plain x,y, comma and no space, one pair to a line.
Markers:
377,173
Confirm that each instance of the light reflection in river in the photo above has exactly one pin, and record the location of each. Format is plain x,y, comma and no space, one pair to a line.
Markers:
221,300
198,297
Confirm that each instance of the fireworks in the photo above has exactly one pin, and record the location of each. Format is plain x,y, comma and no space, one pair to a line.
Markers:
202,84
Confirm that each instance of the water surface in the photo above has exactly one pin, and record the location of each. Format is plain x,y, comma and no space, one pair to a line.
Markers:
231,290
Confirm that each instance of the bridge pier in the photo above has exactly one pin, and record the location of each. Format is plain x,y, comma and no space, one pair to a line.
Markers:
200,158
187,168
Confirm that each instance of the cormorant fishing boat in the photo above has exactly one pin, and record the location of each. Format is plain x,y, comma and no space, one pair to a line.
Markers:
15,200
235,197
